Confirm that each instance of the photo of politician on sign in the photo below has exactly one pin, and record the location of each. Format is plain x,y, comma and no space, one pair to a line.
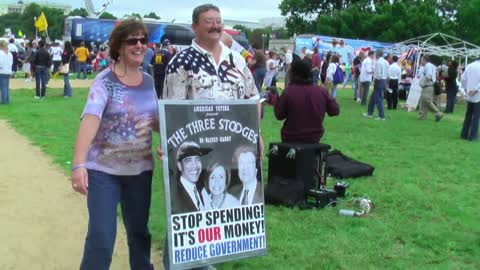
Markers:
213,184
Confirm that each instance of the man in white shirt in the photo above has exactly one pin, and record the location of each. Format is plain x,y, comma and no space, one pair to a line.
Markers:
471,84
366,73
380,82
428,76
12,48
394,74
56,53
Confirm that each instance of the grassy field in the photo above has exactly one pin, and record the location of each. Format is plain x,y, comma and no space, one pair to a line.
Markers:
425,189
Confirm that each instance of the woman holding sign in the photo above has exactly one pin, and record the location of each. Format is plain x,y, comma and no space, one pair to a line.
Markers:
112,161
216,184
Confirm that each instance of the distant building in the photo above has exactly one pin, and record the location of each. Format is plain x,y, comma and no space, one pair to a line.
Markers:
228,23
275,22
19,6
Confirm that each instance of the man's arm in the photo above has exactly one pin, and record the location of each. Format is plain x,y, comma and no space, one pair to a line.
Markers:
279,108
332,106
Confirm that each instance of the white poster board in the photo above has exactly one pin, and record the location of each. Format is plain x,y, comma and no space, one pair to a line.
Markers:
414,94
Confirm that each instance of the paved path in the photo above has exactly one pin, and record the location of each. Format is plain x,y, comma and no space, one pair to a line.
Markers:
43,221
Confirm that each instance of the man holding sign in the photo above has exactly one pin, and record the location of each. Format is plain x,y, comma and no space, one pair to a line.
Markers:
207,70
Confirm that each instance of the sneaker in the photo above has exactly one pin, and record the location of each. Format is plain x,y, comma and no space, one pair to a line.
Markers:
367,115
380,118
36,97
359,100
438,117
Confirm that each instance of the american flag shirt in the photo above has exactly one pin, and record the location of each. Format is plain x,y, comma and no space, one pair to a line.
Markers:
128,114
194,74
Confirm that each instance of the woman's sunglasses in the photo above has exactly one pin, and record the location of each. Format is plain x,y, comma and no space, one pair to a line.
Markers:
134,41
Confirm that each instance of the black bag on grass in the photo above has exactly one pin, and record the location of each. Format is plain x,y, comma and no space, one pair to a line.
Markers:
341,166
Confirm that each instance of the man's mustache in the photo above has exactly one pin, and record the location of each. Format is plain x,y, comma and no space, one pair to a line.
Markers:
218,30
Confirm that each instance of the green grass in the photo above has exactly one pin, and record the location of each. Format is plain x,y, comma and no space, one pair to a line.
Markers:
425,189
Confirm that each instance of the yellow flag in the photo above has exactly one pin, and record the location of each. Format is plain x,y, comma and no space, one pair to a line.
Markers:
20,34
41,23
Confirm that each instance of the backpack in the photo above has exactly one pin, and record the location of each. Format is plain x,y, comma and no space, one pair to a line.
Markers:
338,75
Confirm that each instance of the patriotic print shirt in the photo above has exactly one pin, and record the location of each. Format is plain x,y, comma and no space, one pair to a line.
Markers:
122,145
194,74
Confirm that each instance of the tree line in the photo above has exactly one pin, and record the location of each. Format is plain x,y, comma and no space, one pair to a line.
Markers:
383,20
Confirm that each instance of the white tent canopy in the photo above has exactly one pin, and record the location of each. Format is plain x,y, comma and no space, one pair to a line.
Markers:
434,44
439,44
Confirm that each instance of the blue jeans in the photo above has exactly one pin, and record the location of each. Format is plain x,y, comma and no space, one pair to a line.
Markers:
67,88
470,124
81,66
40,78
105,191
315,76
377,98
365,88
451,98
4,87
347,79
355,88
259,76
334,90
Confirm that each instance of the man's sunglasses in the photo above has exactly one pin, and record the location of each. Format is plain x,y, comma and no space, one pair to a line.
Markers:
134,41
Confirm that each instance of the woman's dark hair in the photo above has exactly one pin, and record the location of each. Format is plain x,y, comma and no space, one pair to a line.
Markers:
120,33
334,59
327,58
212,168
454,64
67,46
300,72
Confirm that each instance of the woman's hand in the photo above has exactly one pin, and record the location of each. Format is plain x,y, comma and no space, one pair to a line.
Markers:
80,180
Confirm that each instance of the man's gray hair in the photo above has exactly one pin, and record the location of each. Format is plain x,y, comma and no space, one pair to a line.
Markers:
201,9
379,53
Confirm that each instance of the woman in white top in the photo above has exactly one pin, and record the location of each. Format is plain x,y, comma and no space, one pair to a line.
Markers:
215,195
6,62
332,67
272,70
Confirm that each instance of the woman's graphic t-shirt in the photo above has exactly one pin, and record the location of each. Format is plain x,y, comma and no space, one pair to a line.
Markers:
122,145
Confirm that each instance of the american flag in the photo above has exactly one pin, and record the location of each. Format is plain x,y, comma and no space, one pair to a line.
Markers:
408,54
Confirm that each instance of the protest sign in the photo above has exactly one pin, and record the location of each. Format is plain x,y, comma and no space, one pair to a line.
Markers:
414,95
213,184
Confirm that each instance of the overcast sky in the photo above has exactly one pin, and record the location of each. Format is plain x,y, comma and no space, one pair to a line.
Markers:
181,10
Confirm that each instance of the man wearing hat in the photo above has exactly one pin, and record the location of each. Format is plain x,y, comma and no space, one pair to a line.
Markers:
160,61
184,194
